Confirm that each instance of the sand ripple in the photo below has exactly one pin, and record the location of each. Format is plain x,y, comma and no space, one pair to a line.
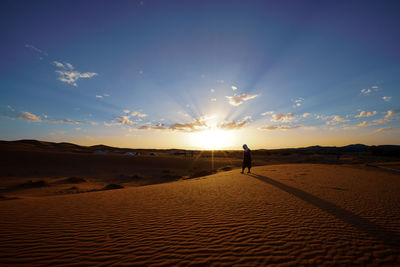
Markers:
329,215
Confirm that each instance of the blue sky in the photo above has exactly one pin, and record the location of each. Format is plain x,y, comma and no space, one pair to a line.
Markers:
158,73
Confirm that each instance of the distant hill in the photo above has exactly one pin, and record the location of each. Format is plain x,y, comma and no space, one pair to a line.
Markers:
35,145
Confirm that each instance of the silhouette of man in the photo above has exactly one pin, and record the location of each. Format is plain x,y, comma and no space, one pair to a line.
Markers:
246,159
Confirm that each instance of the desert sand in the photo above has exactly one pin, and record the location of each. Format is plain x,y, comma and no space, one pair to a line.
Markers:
289,214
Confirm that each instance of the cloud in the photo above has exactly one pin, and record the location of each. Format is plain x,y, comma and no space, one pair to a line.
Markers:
212,90
281,127
305,115
234,125
68,75
213,99
126,111
220,81
385,129
366,114
94,123
119,120
322,117
237,100
360,125
101,96
158,126
335,120
138,114
298,102
282,117
234,88
390,113
366,91
390,116
37,50
387,98
198,124
67,121
267,113
124,120
24,115
374,87
27,116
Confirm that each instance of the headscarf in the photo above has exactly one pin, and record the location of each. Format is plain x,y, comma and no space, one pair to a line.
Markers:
246,149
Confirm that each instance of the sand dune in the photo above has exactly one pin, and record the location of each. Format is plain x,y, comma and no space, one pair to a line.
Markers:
281,214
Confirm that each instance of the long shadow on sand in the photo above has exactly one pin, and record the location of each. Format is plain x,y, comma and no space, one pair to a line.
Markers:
388,237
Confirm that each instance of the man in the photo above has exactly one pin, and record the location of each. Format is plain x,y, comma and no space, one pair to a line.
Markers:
246,159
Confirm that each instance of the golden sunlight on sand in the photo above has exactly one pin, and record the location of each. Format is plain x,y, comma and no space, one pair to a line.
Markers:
298,214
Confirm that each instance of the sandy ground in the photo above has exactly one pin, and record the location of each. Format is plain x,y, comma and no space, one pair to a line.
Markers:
280,214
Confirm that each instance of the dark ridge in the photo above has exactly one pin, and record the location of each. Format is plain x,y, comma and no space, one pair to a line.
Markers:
73,180
112,187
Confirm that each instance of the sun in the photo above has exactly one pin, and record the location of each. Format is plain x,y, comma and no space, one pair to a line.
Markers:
213,139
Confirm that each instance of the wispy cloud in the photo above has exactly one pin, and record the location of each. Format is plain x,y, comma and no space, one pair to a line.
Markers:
387,98
196,125
281,127
366,114
360,125
158,126
237,100
212,90
66,121
27,116
267,113
24,115
384,129
124,120
37,50
390,113
68,75
282,117
101,96
234,125
138,114
234,88
298,102
365,91
336,119
305,115
213,99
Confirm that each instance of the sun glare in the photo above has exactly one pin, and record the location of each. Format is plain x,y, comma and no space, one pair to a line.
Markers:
213,139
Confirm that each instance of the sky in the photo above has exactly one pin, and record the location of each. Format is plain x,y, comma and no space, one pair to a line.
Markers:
200,74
